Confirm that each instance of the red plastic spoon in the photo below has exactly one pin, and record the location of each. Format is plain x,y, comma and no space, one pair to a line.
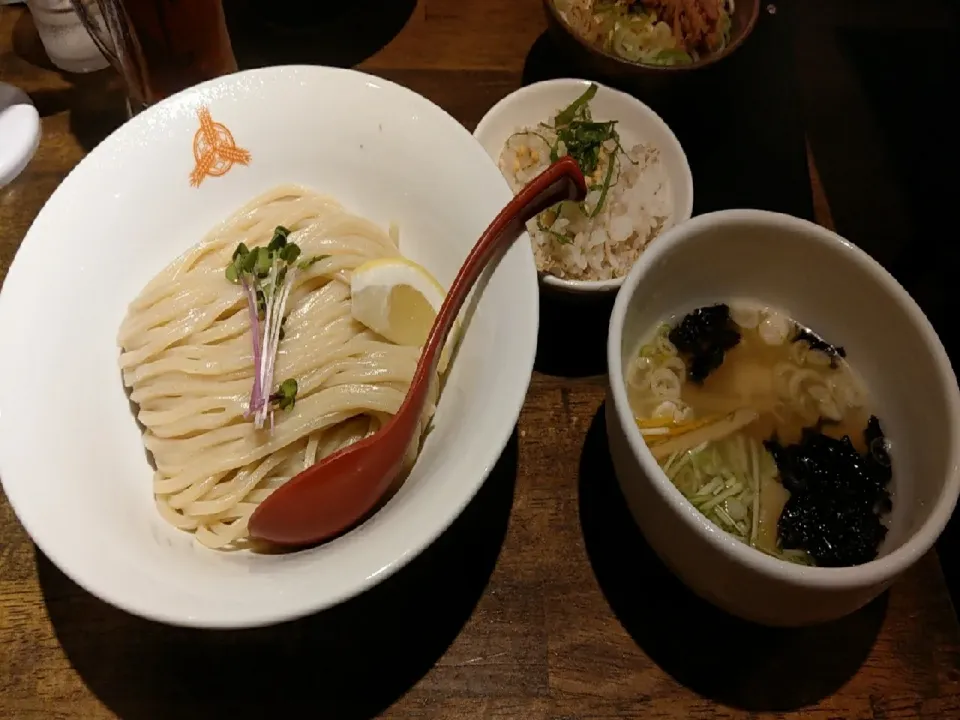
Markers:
341,489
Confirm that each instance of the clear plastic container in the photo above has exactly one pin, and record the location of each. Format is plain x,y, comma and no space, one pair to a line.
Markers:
66,41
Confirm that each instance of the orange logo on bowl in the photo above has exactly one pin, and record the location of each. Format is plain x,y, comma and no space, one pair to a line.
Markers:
214,150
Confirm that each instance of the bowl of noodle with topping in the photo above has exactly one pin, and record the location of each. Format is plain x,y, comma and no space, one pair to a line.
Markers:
233,285
651,37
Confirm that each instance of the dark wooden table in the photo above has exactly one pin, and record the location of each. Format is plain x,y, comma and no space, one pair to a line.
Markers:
541,601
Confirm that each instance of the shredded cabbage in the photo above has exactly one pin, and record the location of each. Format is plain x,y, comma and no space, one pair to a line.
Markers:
724,481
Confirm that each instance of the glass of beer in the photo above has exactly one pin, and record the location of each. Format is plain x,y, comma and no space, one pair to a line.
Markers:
160,46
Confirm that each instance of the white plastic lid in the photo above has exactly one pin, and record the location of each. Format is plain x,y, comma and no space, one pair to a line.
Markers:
19,132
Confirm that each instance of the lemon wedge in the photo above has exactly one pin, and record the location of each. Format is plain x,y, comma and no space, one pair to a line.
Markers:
399,299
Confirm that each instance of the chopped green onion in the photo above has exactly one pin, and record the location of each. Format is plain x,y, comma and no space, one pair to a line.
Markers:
672,56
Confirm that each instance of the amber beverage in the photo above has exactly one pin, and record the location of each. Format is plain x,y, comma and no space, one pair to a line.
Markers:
160,46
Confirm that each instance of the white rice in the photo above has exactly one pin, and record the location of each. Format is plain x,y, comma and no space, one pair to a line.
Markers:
637,207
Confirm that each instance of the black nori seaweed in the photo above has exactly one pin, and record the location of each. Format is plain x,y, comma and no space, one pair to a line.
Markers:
818,343
703,337
837,495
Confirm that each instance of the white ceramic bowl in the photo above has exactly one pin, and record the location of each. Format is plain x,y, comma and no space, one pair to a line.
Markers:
20,130
838,290
636,123
71,457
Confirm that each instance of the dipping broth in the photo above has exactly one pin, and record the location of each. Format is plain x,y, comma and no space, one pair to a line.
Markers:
767,430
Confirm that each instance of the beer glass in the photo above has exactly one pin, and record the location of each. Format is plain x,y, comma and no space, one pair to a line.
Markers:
160,46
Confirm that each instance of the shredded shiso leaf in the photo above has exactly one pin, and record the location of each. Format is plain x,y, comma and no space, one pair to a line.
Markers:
592,144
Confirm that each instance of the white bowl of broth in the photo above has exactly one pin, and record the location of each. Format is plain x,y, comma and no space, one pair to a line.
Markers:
783,420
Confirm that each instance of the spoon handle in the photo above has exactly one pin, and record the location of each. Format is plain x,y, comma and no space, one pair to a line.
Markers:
561,181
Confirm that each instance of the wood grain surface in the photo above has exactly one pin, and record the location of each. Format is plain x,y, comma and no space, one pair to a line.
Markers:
541,601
